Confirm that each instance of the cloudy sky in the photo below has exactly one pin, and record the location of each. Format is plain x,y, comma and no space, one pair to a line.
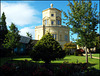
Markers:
28,14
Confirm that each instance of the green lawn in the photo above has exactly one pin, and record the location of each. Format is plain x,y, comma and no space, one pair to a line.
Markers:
69,59
95,55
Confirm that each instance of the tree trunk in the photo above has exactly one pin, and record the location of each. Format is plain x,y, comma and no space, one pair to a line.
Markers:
86,55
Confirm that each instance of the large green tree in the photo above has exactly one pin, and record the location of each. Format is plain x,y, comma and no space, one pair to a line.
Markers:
12,38
3,29
83,20
47,49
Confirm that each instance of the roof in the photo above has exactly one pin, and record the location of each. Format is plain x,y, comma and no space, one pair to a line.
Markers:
51,9
24,39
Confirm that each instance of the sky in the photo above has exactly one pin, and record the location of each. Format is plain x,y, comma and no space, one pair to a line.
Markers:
28,14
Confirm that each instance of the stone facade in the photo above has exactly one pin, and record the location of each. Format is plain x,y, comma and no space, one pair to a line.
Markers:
51,22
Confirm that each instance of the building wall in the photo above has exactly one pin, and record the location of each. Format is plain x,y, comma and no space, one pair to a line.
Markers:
46,14
60,31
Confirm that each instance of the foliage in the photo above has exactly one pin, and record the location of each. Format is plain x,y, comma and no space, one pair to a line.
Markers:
12,37
29,35
27,68
47,49
76,53
30,45
3,29
3,32
68,47
83,20
97,42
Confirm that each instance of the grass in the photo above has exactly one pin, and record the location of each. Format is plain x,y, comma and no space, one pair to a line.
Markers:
4,60
95,55
70,59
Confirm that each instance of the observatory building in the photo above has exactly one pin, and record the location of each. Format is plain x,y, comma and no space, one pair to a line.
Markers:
51,22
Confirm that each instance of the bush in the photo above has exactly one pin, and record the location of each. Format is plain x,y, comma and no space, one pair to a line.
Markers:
75,53
80,51
47,49
69,47
67,51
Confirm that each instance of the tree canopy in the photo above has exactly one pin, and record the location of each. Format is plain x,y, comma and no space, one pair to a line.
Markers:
3,29
12,37
47,49
83,20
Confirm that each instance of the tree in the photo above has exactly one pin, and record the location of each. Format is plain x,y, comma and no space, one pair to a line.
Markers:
83,20
97,42
12,38
3,29
30,44
29,35
47,49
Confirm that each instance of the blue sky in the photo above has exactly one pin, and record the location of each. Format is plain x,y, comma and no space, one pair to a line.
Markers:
28,14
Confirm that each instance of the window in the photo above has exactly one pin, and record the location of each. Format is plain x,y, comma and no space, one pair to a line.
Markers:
52,15
58,22
65,37
54,36
45,22
52,22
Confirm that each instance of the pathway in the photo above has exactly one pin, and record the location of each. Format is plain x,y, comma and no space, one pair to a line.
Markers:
93,56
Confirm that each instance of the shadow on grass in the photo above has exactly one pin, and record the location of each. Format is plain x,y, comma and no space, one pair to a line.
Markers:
37,63
90,65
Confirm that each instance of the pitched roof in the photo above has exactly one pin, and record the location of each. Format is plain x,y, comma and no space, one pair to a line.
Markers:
24,39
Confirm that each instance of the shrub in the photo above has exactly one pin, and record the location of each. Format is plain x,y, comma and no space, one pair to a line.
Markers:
80,51
69,47
47,49
75,53
67,51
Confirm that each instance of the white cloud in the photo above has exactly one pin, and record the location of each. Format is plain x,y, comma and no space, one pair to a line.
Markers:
27,29
20,13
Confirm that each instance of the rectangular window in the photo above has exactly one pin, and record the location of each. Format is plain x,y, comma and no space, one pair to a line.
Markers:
58,22
54,36
52,22
65,37
45,22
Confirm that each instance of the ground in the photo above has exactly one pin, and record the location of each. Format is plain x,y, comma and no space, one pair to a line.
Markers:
69,59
